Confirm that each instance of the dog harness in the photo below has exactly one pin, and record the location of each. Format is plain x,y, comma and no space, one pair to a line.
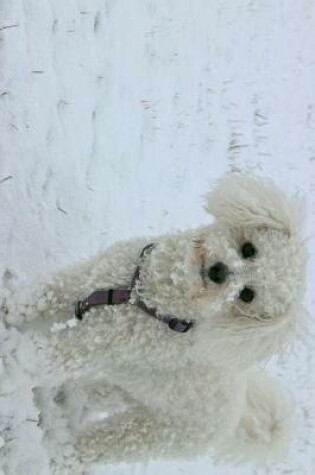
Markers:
122,296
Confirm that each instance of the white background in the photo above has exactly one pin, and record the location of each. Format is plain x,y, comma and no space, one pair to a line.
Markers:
115,115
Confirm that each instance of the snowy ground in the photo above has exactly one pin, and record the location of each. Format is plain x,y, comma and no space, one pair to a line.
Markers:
115,115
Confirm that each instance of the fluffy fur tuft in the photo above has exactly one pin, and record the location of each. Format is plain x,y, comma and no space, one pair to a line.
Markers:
249,201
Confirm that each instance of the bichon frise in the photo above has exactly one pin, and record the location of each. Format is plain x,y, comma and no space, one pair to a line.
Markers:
176,328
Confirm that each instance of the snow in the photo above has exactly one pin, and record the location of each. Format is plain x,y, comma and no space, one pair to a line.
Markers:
115,116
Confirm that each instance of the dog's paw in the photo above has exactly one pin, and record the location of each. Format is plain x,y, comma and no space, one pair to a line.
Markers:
266,427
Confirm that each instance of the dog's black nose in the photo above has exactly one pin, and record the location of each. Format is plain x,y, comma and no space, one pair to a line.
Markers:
218,273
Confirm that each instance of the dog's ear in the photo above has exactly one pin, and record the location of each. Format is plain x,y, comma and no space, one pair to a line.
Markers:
241,200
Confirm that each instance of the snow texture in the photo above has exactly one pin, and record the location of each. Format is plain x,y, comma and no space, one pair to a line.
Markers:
115,116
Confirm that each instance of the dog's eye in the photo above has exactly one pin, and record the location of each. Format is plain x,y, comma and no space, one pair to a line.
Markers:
247,295
248,250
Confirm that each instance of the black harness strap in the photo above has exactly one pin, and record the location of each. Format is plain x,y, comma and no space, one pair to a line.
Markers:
101,297
122,296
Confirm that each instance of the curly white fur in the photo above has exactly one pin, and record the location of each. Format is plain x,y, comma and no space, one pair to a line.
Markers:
186,392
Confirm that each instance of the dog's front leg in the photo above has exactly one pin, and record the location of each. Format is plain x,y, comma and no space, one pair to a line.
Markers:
132,435
139,434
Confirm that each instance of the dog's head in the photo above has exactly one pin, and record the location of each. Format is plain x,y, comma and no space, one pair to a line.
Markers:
253,267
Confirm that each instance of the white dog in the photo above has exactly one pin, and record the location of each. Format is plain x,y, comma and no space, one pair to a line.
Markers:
180,352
